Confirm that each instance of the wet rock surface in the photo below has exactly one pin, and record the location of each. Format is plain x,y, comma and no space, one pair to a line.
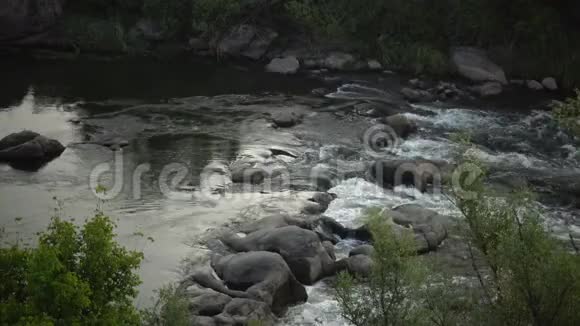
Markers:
28,150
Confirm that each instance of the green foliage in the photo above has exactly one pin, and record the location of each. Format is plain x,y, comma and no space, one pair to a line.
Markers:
568,113
76,276
532,279
388,296
170,309
91,34
172,16
213,16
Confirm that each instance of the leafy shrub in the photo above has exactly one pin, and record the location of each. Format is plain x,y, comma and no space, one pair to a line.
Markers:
532,279
92,34
213,16
171,309
75,276
568,113
389,295
173,16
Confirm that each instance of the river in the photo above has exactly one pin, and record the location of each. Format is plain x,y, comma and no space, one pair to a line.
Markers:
198,114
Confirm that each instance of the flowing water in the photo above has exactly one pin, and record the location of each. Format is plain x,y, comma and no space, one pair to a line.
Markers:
194,116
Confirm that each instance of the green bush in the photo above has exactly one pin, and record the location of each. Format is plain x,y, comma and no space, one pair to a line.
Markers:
213,16
532,278
76,276
93,34
568,113
389,295
171,309
173,16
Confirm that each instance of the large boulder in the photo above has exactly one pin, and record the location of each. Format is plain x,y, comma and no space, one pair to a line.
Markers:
418,173
247,40
300,248
20,19
265,276
288,65
550,83
29,150
474,64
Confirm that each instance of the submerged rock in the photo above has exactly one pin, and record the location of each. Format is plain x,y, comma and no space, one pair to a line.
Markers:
474,64
28,150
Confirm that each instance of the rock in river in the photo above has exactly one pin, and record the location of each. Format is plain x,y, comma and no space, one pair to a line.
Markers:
29,150
300,248
265,276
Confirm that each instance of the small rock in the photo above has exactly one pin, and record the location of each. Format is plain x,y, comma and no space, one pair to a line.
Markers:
287,65
415,96
367,250
374,65
286,119
550,83
402,125
534,85
320,91
339,61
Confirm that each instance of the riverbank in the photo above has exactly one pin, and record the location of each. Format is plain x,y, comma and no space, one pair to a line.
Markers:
393,35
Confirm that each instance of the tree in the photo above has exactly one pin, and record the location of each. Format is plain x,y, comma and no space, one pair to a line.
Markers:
76,276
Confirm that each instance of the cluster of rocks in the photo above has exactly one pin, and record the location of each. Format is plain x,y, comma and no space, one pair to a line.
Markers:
258,273
488,79
420,91
548,83
29,150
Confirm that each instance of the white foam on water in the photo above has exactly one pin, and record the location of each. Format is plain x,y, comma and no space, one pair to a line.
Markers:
355,196
512,160
432,149
359,92
321,309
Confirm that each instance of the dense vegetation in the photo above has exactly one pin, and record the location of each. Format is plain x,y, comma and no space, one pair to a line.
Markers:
523,275
75,276
530,38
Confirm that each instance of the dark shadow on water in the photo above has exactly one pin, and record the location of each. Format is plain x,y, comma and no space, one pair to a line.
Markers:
140,79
